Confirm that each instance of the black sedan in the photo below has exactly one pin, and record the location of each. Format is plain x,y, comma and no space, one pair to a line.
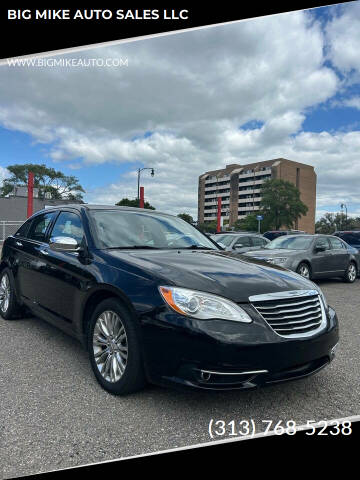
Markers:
312,256
351,237
153,299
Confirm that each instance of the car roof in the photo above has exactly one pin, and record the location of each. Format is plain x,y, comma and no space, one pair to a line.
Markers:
297,235
278,231
89,206
315,235
240,233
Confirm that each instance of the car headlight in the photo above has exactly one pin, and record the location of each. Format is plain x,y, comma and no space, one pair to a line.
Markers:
277,260
323,298
202,305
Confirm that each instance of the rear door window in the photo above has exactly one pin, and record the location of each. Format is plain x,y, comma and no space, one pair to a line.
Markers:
22,232
335,243
243,242
322,242
259,242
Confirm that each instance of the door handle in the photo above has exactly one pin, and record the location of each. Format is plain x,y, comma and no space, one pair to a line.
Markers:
43,251
19,244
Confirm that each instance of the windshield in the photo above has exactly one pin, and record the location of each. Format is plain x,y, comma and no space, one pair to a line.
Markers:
290,243
130,229
224,239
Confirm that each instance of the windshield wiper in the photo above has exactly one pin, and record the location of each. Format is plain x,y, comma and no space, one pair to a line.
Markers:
133,247
194,247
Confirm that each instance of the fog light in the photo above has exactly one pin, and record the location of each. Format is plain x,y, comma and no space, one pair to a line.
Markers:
205,376
333,351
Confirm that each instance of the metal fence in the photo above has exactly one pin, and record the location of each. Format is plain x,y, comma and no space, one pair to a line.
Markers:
9,227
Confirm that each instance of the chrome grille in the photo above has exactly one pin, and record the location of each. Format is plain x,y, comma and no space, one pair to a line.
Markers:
298,313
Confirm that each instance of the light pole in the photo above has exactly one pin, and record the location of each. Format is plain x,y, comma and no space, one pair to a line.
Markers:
344,206
139,172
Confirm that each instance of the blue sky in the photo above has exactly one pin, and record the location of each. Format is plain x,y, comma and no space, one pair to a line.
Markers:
281,86
18,147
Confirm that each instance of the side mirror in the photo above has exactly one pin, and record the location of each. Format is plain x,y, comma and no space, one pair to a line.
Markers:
238,246
320,248
64,244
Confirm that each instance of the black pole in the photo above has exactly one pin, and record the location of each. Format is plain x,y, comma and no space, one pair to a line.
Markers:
346,225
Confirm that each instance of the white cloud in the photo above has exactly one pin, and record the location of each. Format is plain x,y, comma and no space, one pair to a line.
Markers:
193,91
353,102
344,39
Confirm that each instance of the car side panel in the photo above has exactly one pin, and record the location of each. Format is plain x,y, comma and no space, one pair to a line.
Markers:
64,277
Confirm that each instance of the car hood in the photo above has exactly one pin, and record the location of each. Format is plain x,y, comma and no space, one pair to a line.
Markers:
267,253
222,273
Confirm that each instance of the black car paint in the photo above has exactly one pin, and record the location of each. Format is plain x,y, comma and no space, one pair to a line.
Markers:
351,237
63,287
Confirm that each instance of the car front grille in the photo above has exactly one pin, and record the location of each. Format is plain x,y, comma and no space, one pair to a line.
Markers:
298,313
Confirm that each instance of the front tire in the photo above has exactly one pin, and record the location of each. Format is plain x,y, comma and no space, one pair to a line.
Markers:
351,273
304,270
114,348
9,307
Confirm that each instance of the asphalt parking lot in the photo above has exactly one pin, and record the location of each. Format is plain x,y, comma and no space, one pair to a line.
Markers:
55,415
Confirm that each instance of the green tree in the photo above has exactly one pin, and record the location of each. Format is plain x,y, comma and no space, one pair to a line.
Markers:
249,223
126,202
48,181
185,216
208,227
281,204
330,222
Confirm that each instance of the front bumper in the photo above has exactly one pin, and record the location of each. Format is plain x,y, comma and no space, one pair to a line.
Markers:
218,354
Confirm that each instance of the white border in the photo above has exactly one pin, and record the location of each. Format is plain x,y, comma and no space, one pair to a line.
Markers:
4,61
319,424
155,35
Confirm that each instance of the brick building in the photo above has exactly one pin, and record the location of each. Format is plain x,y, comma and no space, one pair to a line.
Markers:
239,189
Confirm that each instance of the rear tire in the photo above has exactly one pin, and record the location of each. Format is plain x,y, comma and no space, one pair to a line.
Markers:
351,273
115,354
9,307
304,270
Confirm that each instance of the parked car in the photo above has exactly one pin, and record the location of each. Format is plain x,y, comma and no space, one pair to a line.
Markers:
312,256
241,242
351,237
233,232
169,310
272,234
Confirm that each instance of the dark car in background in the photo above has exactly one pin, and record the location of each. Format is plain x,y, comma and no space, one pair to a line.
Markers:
240,242
272,234
312,256
351,237
153,299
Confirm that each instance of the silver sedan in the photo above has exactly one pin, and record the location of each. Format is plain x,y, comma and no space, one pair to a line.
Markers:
312,256
240,242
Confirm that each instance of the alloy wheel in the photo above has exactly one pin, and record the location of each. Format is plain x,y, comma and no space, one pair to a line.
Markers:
110,346
304,271
352,272
4,293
